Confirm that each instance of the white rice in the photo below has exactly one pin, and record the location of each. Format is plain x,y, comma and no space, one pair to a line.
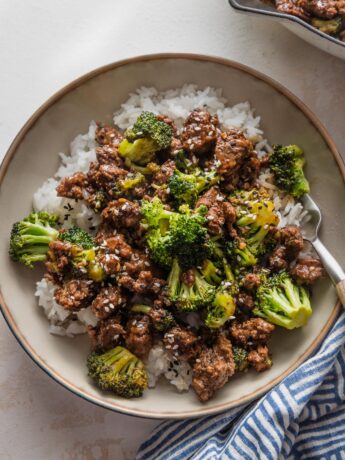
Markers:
176,104
159,363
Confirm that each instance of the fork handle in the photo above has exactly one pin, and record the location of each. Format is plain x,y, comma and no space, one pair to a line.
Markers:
340,287
333,268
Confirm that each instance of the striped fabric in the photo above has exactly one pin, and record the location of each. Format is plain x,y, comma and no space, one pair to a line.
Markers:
301,418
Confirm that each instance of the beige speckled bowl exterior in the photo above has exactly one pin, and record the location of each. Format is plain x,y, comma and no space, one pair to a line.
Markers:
33,157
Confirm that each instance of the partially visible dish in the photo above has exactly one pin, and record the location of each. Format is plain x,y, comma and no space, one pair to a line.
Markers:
296,16
328,16
176,242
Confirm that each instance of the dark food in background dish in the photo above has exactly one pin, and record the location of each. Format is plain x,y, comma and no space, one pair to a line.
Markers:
326,15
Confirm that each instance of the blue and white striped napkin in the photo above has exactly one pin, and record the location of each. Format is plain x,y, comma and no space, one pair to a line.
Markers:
301,418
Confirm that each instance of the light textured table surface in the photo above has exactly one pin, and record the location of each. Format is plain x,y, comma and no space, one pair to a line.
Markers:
43,46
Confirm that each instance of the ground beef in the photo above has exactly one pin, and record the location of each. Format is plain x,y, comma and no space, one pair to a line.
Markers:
144,283
139,338
251,332
245,301
291,238
165,172
118,245
199,131
73,186
138,262
230,218
213,200
238,162
106,335
105,176
182,343
251,281
307,271
75,294
122,213
58,257
107,302
213,368
109,155
260,358
277,260
294,7
107,135
325,9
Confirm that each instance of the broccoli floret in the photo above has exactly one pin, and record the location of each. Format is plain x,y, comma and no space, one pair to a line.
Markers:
327,26
221,310
185,188
162,319
282,302
173,234
240,358
287,163
131,181
189,297
118,370
240,254
147,136
30,238
255,216
76,235
84,254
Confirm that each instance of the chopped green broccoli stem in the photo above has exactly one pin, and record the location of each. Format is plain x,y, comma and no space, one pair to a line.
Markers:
131,181
211,273
76,235
240,359
141,151
119,371
162,319
282,302
327,26
287,163
30,238
221,310
189,297
147,136
185,188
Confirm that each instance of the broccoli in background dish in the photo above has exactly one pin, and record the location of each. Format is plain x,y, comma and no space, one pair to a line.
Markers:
147,136
327,26
185,188
287,164
222,308
118,370
189,297
280,301
30,238
162,319
174,234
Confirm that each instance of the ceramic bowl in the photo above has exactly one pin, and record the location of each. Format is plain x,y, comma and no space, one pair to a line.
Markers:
299,27
33,157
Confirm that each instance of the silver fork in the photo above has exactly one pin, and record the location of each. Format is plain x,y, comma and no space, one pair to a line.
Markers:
310,231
